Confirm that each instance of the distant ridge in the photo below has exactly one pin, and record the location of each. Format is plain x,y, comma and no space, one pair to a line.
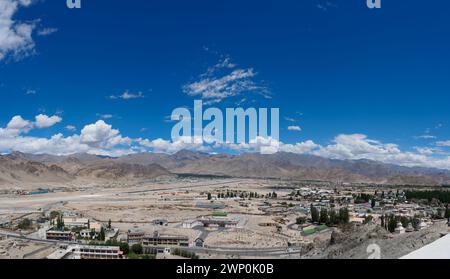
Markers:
251,165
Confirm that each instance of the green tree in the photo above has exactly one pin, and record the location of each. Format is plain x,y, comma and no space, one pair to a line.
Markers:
209,196
137,249
301,220
25,224
368,219
405,221
54,214
373,203
124,247
333,220
392,224
315,216
447,213
324,216
60,223
344,216
101,235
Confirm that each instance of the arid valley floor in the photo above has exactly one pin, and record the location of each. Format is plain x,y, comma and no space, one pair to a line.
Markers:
265,224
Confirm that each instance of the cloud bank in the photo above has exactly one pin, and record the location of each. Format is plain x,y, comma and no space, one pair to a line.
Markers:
100,138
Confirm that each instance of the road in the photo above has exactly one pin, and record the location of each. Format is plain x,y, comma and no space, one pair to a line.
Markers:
182,187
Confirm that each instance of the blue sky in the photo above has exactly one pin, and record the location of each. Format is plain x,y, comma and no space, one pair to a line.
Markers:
359,83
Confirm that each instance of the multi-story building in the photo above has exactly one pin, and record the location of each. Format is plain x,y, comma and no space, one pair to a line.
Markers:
86,252
59,235
74,222
165,240
135,236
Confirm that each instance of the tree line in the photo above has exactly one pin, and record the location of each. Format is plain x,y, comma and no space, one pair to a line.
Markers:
330,217
442,196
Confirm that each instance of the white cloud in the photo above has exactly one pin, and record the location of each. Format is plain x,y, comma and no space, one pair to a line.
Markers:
295,128
47,31
105,116
18,123
165,146
128,96
290,119
358,146
425,150
98,138
300,148
223,81
15,36
44,121
102,135
443,143
71,128
102,139
30,92
426,136
326,5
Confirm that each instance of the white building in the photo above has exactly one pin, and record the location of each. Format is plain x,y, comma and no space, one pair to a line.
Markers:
74,222
400,229
88,234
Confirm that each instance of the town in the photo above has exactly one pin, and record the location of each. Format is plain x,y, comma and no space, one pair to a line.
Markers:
210,217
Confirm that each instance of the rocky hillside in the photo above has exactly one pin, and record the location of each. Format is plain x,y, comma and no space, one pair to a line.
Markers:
18,168
252,165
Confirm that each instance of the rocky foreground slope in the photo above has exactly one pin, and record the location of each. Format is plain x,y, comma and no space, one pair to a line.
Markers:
356,242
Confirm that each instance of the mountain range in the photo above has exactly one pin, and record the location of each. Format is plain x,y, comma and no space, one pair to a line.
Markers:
19,168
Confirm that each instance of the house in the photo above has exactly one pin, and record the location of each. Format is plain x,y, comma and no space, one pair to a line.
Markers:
95,226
